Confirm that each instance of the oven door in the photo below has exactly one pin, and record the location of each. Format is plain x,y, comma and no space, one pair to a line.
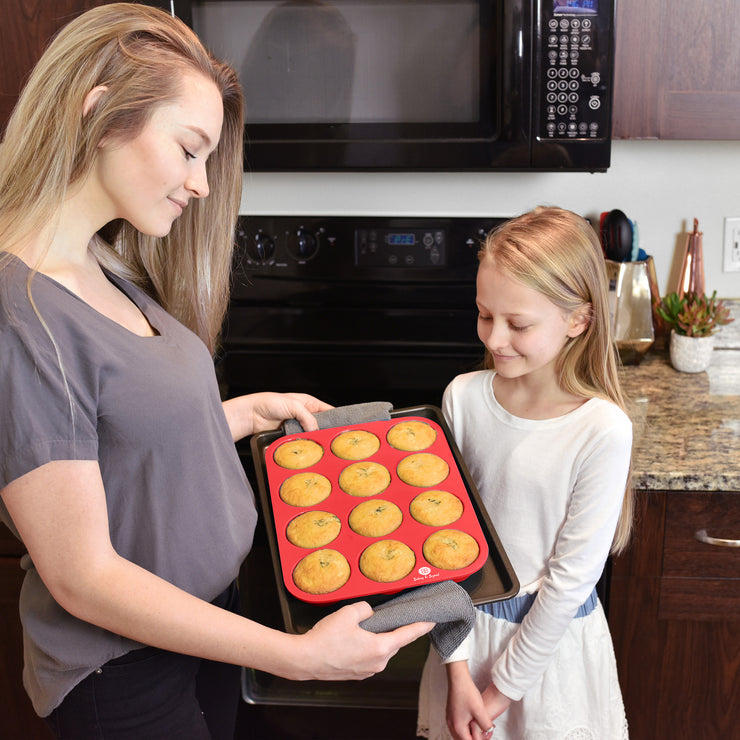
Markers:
352,355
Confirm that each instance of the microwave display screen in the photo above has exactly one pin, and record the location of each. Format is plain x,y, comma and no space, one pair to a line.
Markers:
576,6
351,61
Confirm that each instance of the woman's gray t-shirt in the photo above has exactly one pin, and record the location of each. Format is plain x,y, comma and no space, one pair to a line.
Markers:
148,410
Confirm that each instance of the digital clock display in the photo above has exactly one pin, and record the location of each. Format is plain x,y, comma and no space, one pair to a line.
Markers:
576,6
401,240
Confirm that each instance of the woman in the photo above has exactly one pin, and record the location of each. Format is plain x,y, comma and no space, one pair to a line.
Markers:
119,471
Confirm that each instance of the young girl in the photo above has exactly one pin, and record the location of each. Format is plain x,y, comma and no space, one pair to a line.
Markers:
117,462
544,432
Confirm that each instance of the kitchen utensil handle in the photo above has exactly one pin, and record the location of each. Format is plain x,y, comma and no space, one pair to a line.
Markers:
702,536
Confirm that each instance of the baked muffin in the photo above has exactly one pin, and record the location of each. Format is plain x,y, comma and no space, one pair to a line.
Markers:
375,518
313,529
355,444
299,453
411,436
387,560
436,508
450,549
305,489
364,479
423,469
321,572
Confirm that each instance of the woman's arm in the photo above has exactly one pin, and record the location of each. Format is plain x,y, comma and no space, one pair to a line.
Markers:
259,412
60,512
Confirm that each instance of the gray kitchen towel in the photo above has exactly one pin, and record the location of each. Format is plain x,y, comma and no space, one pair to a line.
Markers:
341,416
446,603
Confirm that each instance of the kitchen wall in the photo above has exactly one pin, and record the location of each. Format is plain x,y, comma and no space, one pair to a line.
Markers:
662,185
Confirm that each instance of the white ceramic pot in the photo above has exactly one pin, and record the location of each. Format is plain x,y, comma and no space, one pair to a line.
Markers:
691,354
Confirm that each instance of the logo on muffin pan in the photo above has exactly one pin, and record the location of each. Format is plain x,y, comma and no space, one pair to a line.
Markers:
426,574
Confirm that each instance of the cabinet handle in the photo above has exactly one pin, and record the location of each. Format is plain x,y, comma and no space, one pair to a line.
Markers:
702,536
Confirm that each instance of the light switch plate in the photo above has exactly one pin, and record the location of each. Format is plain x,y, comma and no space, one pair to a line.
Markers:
731,260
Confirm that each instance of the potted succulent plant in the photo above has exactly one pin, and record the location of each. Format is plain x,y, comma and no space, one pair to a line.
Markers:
694,320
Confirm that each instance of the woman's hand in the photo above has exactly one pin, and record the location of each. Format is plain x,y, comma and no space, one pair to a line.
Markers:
337,648
467,713
260,412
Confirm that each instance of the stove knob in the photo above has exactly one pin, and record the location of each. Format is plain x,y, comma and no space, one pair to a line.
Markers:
261,248
305,244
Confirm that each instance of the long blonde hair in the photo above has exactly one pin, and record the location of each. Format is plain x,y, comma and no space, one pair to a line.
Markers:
557,253
139,54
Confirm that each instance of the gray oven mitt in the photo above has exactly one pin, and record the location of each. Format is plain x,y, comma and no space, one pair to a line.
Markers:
345,415
446,603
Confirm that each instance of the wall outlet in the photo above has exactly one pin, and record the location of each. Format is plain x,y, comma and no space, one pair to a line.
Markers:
731,262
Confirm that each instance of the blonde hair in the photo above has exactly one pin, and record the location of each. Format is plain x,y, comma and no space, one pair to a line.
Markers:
557,253
140,55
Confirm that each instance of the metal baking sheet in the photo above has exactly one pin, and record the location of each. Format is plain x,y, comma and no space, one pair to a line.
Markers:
495,580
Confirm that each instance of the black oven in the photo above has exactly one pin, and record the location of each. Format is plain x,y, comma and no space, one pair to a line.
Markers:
417,84
350,309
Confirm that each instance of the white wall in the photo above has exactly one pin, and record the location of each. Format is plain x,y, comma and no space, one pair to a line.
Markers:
662,185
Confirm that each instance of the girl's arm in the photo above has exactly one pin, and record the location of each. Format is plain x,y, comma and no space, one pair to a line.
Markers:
259,412
60,512
468,717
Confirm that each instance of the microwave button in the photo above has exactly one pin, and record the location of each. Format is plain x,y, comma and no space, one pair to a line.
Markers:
594,103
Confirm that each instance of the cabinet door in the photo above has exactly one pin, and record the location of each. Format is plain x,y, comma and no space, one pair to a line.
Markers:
677,69
25,29
678,671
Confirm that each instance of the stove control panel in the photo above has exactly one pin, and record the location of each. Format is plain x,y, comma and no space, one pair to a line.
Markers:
352,247
408,247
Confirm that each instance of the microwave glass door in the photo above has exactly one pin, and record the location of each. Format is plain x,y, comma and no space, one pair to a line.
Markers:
361,79
350,61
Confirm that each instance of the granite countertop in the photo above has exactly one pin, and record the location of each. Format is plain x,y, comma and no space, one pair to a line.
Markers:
687,425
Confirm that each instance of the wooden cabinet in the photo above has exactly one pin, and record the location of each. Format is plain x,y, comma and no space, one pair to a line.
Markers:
25,30
18,721
677,71
674,614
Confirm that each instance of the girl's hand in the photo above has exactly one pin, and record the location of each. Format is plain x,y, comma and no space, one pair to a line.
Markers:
496,703
260,412
337,648
467,714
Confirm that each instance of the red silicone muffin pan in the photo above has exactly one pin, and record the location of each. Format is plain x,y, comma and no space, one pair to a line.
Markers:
349,543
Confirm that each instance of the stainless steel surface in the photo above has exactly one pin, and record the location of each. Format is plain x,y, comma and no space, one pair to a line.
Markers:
631,305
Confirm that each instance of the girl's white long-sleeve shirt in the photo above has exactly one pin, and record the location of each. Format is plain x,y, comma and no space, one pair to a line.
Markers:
554,490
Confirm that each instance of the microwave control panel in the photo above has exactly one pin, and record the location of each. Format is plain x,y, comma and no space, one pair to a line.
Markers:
574,59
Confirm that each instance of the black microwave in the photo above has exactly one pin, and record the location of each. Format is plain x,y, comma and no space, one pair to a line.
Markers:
452,85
